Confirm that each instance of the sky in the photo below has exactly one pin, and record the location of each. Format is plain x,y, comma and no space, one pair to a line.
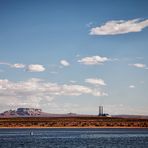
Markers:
73,55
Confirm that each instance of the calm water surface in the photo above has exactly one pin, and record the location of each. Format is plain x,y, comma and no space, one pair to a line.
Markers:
74,138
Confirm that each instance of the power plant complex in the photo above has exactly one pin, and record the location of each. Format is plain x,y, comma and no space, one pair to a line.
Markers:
101,112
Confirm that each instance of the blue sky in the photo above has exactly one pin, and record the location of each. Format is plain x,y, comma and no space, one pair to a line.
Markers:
72,56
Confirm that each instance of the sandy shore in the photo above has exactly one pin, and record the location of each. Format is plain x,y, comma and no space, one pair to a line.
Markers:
38,127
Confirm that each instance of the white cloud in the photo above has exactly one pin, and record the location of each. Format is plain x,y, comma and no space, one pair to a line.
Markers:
93,60
138,65
99,93
30,68
132,86
120,27
16,65
95,81
64,63
35,68
35,91
75,90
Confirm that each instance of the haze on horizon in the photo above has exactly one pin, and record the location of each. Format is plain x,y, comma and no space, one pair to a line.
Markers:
72,56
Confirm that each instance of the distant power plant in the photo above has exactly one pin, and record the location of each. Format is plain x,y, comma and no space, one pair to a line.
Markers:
101,112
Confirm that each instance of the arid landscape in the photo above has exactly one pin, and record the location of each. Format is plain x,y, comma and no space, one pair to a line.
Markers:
72,122
73,73
35,118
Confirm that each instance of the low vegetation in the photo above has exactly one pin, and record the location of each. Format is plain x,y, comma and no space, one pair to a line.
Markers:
72,122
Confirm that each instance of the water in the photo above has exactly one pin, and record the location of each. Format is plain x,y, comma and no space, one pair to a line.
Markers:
74,138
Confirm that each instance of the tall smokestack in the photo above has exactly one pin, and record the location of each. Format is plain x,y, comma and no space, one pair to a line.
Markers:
100,110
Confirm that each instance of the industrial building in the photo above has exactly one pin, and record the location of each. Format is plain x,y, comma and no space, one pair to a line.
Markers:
101,112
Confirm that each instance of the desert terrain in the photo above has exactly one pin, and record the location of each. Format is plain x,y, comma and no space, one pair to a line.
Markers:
73,122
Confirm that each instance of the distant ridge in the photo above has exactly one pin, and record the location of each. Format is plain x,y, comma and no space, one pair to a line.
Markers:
34,112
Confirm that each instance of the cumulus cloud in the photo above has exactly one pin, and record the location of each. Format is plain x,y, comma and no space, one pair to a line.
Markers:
93,60
95,81
138,65
29,68
120,27
64,63
33,91
35,68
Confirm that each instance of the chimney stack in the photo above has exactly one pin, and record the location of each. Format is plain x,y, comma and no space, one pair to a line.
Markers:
100,110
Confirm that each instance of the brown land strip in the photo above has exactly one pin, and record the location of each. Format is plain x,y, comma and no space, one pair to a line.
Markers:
72,122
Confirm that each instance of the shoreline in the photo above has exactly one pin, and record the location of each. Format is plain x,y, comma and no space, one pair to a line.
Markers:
73,127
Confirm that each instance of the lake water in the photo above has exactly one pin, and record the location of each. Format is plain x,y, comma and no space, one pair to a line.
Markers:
74,138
